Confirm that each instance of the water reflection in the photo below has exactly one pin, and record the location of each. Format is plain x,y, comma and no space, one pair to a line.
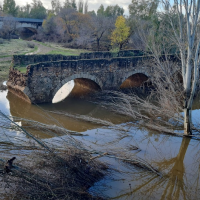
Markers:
4,103
63,92
177,158
180,174
22,109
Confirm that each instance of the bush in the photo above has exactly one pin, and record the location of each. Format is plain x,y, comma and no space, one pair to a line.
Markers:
30,45
1,41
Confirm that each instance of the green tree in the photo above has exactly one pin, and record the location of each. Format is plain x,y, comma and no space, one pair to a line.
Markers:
110,11
24,11
9,7
67,4
121,33
48,24
73,2
100,11
143,9
80,6
38,11
56,6
113,11
70,4
91,13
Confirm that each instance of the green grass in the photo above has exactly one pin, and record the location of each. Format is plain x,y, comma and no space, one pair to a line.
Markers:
44,44
5,56
21,68
15,47
33,50
4,70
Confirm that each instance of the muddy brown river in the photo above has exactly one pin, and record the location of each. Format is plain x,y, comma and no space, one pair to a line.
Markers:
177,158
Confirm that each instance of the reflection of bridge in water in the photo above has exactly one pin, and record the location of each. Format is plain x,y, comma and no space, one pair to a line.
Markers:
74,106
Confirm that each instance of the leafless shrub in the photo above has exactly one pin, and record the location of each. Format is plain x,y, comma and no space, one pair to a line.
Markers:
8,27
30,45
161,110
61,175
1,41
47,172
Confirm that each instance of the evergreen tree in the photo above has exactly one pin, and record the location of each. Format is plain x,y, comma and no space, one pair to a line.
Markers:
67,4
73,3
100,11
38,11
9,7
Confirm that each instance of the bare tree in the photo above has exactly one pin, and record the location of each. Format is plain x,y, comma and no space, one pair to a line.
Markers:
97,29
56,6
187,37
8,27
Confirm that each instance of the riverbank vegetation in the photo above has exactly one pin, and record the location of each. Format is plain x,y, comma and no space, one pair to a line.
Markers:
49,171
175,59
58,167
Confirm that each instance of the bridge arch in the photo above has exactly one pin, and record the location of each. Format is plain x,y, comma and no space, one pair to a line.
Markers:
76,76
129,74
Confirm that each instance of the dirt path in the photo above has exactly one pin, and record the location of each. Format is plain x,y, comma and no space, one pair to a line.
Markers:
42,49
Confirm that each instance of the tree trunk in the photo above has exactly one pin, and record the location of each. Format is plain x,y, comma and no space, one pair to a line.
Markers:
120,46
97,44
187,121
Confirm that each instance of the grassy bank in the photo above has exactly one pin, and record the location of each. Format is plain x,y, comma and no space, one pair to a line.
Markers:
55,48
4,70
14,47
8,48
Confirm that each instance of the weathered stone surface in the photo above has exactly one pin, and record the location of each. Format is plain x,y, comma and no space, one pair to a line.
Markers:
43,79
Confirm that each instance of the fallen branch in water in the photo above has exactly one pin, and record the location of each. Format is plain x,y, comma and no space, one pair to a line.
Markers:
28,134
91,120
134,161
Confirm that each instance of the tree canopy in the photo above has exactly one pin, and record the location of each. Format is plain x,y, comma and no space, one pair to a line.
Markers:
10,8
110,11
121,32
38,10
143,9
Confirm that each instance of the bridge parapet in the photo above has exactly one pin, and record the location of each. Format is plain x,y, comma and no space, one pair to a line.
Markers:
108,54
49,73
31,59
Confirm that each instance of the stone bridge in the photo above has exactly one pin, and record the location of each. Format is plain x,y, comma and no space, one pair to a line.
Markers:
28,23
39,82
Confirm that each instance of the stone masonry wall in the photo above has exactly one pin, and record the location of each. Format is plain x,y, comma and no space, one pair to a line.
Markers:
50,72
30,59
45,79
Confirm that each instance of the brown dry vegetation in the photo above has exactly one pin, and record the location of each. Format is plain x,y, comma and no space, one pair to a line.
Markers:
161,109
58,175
42,170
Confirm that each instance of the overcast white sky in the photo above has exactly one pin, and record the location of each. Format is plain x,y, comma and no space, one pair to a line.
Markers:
93,4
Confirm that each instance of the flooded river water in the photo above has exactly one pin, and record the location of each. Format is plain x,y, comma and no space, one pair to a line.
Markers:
177,158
